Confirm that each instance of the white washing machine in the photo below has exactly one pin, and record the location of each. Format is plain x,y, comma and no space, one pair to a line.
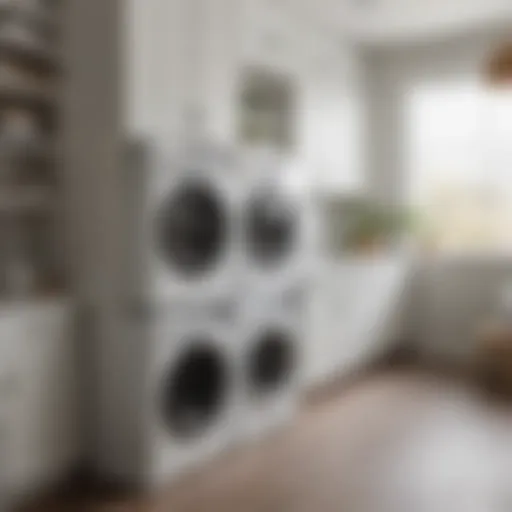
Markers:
166,343
181,220
272,360
166,389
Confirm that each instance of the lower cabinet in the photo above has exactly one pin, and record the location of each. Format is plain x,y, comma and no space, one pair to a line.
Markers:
357,315
38,391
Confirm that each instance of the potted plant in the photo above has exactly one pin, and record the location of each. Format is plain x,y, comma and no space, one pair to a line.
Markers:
371,228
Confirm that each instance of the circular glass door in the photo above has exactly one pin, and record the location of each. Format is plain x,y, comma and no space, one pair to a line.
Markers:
270,229
193,229
271,362
195,390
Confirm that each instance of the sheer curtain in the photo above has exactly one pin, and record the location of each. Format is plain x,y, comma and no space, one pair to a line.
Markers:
460,165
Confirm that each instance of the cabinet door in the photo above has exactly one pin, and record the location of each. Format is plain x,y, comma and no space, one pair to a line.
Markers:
16,360
38,420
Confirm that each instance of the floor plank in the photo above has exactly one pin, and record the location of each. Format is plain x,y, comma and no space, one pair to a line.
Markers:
399,441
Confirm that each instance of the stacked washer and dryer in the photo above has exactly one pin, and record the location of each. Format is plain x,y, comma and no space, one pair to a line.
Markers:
202,348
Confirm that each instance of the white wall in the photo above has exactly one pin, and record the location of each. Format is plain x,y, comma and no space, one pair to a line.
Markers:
384,118
452,296
183,65
331,122
156,66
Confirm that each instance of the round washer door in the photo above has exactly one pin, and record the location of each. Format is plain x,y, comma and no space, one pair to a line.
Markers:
195,390
272,362
271,229
192,229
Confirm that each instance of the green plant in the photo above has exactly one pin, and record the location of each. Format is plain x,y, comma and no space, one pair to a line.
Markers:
370,224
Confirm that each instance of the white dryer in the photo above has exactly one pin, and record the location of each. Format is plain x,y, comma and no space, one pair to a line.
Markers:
180,219
272,361
276,225
166,391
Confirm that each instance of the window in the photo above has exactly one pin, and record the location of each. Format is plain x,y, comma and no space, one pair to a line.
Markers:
460,165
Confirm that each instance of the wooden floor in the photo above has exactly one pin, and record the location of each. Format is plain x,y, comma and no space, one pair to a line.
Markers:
400,441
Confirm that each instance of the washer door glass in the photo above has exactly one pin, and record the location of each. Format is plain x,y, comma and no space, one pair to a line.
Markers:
271,362
195,390
271,229
192,229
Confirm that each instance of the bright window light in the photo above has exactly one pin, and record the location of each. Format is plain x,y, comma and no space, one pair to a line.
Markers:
460,165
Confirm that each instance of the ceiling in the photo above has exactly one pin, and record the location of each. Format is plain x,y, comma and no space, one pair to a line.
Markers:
381,22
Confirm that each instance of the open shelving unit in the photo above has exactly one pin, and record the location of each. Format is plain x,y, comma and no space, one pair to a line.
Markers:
37,359
32,260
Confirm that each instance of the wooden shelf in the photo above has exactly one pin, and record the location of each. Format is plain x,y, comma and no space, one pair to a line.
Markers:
29,186
24,96
27,199
37,56
38,18
39,149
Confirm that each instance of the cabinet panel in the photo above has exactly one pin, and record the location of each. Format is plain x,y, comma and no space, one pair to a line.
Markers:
357,314
37,386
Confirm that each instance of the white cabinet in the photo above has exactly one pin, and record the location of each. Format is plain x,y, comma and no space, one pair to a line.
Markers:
357,313
37,394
